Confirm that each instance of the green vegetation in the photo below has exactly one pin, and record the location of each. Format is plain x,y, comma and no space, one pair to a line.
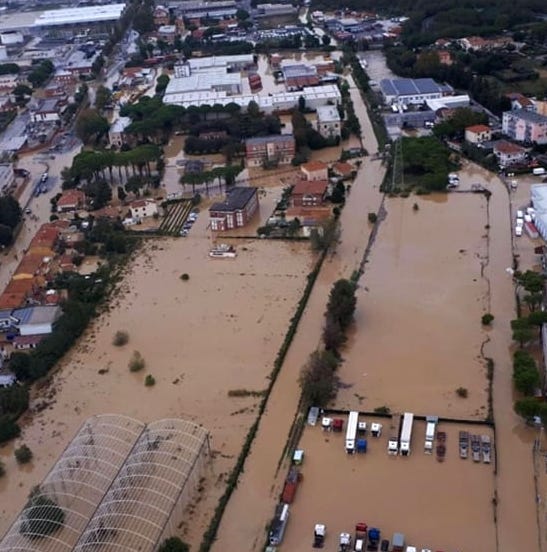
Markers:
462,392
455,126
185,277
149,380
103,97
487,319
245,393
10,216
372,217
523,332
23,454
382,410
2,469
121,337
42,516
340,310
174,544
307,138
40,73
9,69
91,126
525,373
318,379
321,239
137,362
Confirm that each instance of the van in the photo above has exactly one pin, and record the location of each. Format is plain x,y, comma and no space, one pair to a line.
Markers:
538,171
44,177
518,231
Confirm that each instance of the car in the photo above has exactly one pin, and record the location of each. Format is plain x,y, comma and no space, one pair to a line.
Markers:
183,233
28,211
44,177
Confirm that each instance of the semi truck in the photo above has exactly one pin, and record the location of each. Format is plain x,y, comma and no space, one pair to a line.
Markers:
351,431
319,533
406,434
431,423
279,524
291,484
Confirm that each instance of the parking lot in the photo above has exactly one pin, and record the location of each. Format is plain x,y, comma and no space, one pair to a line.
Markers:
393,493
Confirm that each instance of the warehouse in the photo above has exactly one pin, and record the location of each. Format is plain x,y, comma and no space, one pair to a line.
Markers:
412,91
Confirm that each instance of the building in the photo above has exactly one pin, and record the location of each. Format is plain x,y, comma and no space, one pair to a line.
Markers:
412,91
343,169
235,211
36,320
509,154
329,124
64,77
278,149
8,82
309,193
71,200
143,208
214,10
116,134
299,75
7,177
315,170
525,126
167,33
47,111
273,10
477,134
161,16
25,342
519,101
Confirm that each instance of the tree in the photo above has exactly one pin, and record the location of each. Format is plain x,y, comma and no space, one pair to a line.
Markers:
100,193
253,110
102,97
91,125
526,381
522,331
23,454
342,302
302,104
161,83
242,14
533,300
531,281
174,544
325,39
537,318
42,516
527,407
10,211
6,235
40,73
318,380
333,335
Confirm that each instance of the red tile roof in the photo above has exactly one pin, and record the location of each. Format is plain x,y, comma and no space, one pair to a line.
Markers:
478,128
312,166
70,198
508,148
310,187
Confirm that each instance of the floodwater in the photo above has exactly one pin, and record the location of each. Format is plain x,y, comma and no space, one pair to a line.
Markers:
376,65
436,505
201,338
418,313
256,494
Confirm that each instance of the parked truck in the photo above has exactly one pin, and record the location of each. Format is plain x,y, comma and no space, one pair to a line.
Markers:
344,544
360,537
431,422
351,431
406,434
291,484
319,532
398,542
279,524
373,539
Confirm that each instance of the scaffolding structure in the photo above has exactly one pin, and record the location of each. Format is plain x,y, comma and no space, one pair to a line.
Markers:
121,485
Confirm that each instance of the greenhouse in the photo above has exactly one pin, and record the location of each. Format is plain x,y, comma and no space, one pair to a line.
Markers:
119,485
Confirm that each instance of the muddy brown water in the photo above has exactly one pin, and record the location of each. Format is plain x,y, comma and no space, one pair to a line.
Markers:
218,331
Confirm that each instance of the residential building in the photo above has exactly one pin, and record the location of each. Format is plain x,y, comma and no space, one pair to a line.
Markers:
167,33
64,77
509,154
329,124
116,134
235,211
343,169
7,177
25,342
309,217
37,320
197,9
412,91
309,193
477,134
519,101
6,321
274,149
525,126
272,10
161,16
445,57
143,208
8,82
315,170
70,201
479,43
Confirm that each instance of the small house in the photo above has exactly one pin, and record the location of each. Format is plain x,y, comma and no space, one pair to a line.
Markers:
38,320
309,193
143,208
70,201
315,170
477,134
509,154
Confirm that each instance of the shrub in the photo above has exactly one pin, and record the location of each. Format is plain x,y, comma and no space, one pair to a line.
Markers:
23,454
2,469
149,380
462,392
121,337
382,410
185,277
42,516
245,393
137,363
174,544
318,379
487,319
372,218
415,207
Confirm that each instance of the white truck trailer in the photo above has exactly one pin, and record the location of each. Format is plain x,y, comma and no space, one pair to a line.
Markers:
431,424
351,431
406,434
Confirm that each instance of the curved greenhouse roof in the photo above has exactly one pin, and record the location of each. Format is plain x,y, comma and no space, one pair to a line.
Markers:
115,487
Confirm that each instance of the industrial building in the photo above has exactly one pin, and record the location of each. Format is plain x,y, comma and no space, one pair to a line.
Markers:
278,149
196,9
64,18
119,485
329,124
412,91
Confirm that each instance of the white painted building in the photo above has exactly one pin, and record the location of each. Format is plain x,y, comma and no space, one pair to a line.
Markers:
143,208
36,320
329,124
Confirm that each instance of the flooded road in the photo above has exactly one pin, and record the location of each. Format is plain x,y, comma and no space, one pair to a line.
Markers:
256,495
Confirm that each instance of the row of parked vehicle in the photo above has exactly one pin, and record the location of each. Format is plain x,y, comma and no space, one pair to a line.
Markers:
186,227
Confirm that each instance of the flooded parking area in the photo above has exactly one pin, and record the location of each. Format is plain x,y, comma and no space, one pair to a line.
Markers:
436,505
418,334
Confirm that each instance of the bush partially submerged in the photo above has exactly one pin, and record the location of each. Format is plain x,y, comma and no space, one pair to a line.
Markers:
121,337
137,363
23,454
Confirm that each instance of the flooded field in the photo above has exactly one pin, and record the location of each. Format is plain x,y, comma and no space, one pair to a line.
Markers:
198,342
424,273
436,505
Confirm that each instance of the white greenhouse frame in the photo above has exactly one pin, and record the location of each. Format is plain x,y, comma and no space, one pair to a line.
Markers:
121,484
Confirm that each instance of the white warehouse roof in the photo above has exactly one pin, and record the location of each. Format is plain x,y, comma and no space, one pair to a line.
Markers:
84,14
